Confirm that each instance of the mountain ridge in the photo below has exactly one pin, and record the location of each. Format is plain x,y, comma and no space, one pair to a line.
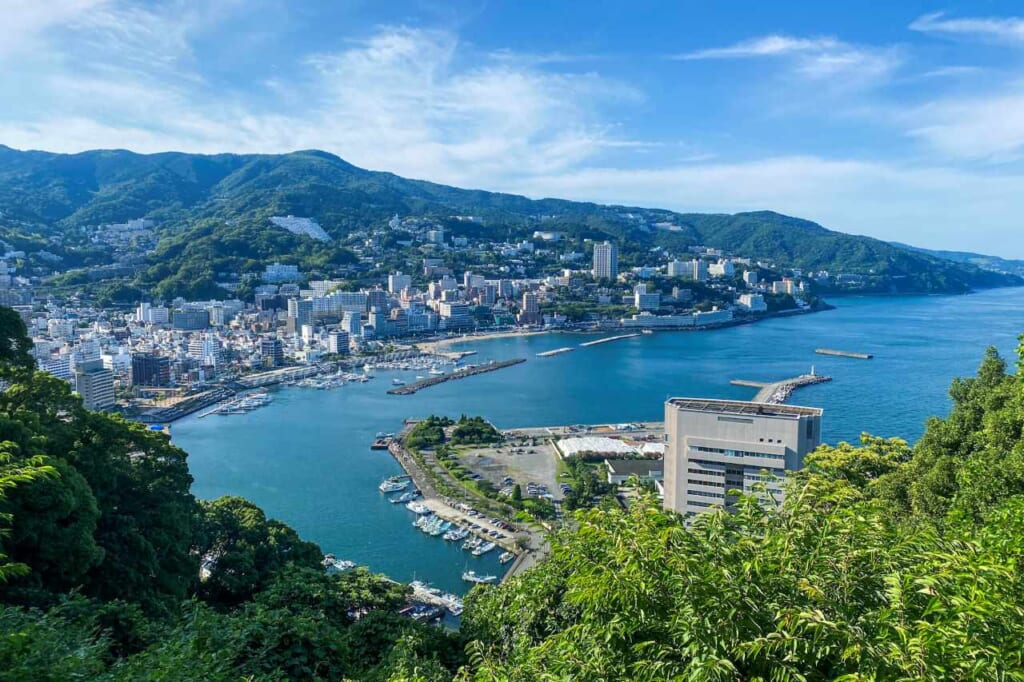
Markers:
50,194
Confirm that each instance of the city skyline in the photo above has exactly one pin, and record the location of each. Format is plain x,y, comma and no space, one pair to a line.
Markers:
900,123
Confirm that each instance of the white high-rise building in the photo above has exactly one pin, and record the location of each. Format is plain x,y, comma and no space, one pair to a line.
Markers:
715,446
606,261
398,282
645,301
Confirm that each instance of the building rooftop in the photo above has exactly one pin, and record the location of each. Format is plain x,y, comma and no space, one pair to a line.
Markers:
744,407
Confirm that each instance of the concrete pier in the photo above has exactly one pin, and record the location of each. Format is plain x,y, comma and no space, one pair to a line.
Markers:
457,374
778,392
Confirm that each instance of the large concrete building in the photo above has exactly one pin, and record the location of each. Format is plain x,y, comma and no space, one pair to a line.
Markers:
714,446
606,260
95,383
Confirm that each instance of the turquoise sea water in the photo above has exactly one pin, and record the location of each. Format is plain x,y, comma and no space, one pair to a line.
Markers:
306,460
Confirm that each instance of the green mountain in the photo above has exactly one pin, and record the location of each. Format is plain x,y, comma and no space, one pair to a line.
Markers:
212,214
993,263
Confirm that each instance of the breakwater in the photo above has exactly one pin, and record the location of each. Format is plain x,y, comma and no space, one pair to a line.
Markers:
778,392
557,351
844,353
609,340
457,374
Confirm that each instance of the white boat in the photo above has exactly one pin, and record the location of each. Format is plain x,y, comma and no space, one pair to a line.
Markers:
393,485
472,577
397,382
456,534
436,371
418,508
484,549
506,557
471,544
452,602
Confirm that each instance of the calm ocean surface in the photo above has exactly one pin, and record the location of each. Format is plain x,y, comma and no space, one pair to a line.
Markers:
305,459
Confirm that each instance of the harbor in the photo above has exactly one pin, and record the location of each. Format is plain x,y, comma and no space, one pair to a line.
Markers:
240,405
459,373
609,339
306,460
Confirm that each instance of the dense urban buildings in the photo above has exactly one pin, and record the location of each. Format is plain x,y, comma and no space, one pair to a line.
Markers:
715,446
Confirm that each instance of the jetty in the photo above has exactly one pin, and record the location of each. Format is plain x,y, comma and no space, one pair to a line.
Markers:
460,373
844,353
778,392
557,351
608,340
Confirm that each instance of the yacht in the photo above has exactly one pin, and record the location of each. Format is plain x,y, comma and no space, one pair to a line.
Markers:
472,577
456,534
506,557
397,382
484,549
452,602
393,485
418,508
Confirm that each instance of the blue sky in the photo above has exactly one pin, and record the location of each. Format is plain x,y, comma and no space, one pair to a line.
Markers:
899,120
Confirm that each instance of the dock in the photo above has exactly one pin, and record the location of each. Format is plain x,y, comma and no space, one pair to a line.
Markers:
844,353
608,340
778,392
462,373
557,351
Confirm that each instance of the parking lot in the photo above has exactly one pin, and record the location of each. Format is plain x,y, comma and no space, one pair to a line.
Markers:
531,463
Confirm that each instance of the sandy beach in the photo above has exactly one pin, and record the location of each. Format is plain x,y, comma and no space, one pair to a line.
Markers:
442,345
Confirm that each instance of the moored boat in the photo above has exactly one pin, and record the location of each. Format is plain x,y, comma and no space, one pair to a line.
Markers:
474,577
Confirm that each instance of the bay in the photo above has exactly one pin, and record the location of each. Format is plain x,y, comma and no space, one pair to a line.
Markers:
305,459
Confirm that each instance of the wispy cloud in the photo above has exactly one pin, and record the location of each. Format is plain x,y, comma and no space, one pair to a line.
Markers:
999,29
984,128
765,46
398,99
819,58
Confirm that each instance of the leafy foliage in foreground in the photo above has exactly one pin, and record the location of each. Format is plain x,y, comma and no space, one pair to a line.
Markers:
100,563
885,562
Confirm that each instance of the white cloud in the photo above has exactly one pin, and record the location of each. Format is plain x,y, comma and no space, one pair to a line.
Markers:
999,29
823,59
989,128
765,46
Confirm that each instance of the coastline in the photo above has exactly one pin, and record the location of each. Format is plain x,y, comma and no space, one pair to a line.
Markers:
442,346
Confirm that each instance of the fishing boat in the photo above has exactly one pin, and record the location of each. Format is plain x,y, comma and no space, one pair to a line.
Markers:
452,602
471,544
473,577
506,557
404,498
436,371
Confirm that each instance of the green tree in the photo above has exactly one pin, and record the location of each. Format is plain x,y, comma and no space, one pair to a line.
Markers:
242,550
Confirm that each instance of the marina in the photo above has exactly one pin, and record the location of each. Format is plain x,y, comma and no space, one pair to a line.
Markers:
240,405
556,351
459,373
608,340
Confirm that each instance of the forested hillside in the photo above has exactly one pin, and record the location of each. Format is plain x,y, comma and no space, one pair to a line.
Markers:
208,206
887,561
